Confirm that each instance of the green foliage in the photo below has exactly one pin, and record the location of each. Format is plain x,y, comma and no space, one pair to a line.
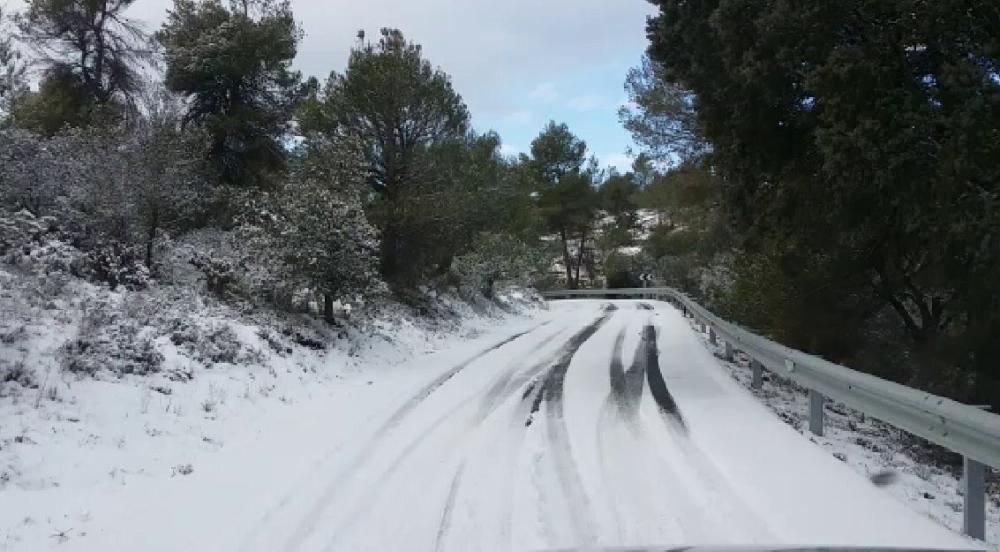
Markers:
495,258
556,153
233,63
568,203
60,101
93,56
857,137
413,131
315,226
618,197
663,120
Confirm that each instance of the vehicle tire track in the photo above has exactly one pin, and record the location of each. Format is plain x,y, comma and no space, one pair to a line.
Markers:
617,372
456,482
551,391
468,424
604,419
433,386
657,385
305,527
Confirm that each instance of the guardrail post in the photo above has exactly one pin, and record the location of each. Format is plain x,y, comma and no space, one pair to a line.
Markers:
758,374
727,353
974,511
711,336
816,401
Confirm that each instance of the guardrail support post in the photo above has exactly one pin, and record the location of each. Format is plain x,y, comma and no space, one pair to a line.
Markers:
711,336
758,374
728,351
974,512
816,401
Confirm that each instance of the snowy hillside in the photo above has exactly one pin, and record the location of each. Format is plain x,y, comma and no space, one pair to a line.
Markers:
101,389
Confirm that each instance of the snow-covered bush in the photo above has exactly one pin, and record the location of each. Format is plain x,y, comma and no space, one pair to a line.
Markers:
317,237
112,190
207,344
110,341
498,259
115,264
34,244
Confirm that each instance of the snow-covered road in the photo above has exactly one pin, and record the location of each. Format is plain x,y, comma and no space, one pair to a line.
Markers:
597,423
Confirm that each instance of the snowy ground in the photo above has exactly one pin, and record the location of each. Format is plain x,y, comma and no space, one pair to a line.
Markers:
590,424
223,374
871,447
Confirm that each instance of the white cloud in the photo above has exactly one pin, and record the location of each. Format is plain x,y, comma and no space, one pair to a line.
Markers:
545,93
619,161
518,117
508,150
587,102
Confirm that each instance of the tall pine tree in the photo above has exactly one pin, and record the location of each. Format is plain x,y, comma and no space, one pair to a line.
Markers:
234,64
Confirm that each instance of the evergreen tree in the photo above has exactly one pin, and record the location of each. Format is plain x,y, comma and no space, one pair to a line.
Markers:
661,117
858,136
567,199
93,55
392,101
233,63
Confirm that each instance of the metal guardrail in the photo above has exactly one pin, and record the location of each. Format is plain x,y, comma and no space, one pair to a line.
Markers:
965,429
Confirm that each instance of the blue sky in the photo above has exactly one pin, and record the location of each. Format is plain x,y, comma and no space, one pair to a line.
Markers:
517,63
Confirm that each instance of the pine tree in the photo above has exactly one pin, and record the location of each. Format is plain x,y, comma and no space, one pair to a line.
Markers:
233,63
393,102
567,199
857,146
93,56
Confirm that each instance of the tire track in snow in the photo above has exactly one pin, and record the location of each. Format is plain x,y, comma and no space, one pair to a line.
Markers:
657,385
456,482
443,378
604,420
510,380
617,371
493,400
627,386
551,391
305,527
550,387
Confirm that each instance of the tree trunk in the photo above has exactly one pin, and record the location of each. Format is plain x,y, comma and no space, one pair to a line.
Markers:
567,259
150,237
579,254
328,307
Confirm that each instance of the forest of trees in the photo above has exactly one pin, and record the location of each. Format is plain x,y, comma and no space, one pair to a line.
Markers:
367,181
827,175
832,173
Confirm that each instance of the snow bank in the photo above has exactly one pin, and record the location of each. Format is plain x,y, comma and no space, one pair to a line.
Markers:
102,391
874,449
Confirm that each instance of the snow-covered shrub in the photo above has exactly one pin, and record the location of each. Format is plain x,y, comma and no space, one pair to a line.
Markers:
35,244
108,340
313,232
498,259
218,272
112,190
208,344
115,264
16,372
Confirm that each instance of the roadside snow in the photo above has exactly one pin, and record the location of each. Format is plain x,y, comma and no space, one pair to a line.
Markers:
871,448
70,441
